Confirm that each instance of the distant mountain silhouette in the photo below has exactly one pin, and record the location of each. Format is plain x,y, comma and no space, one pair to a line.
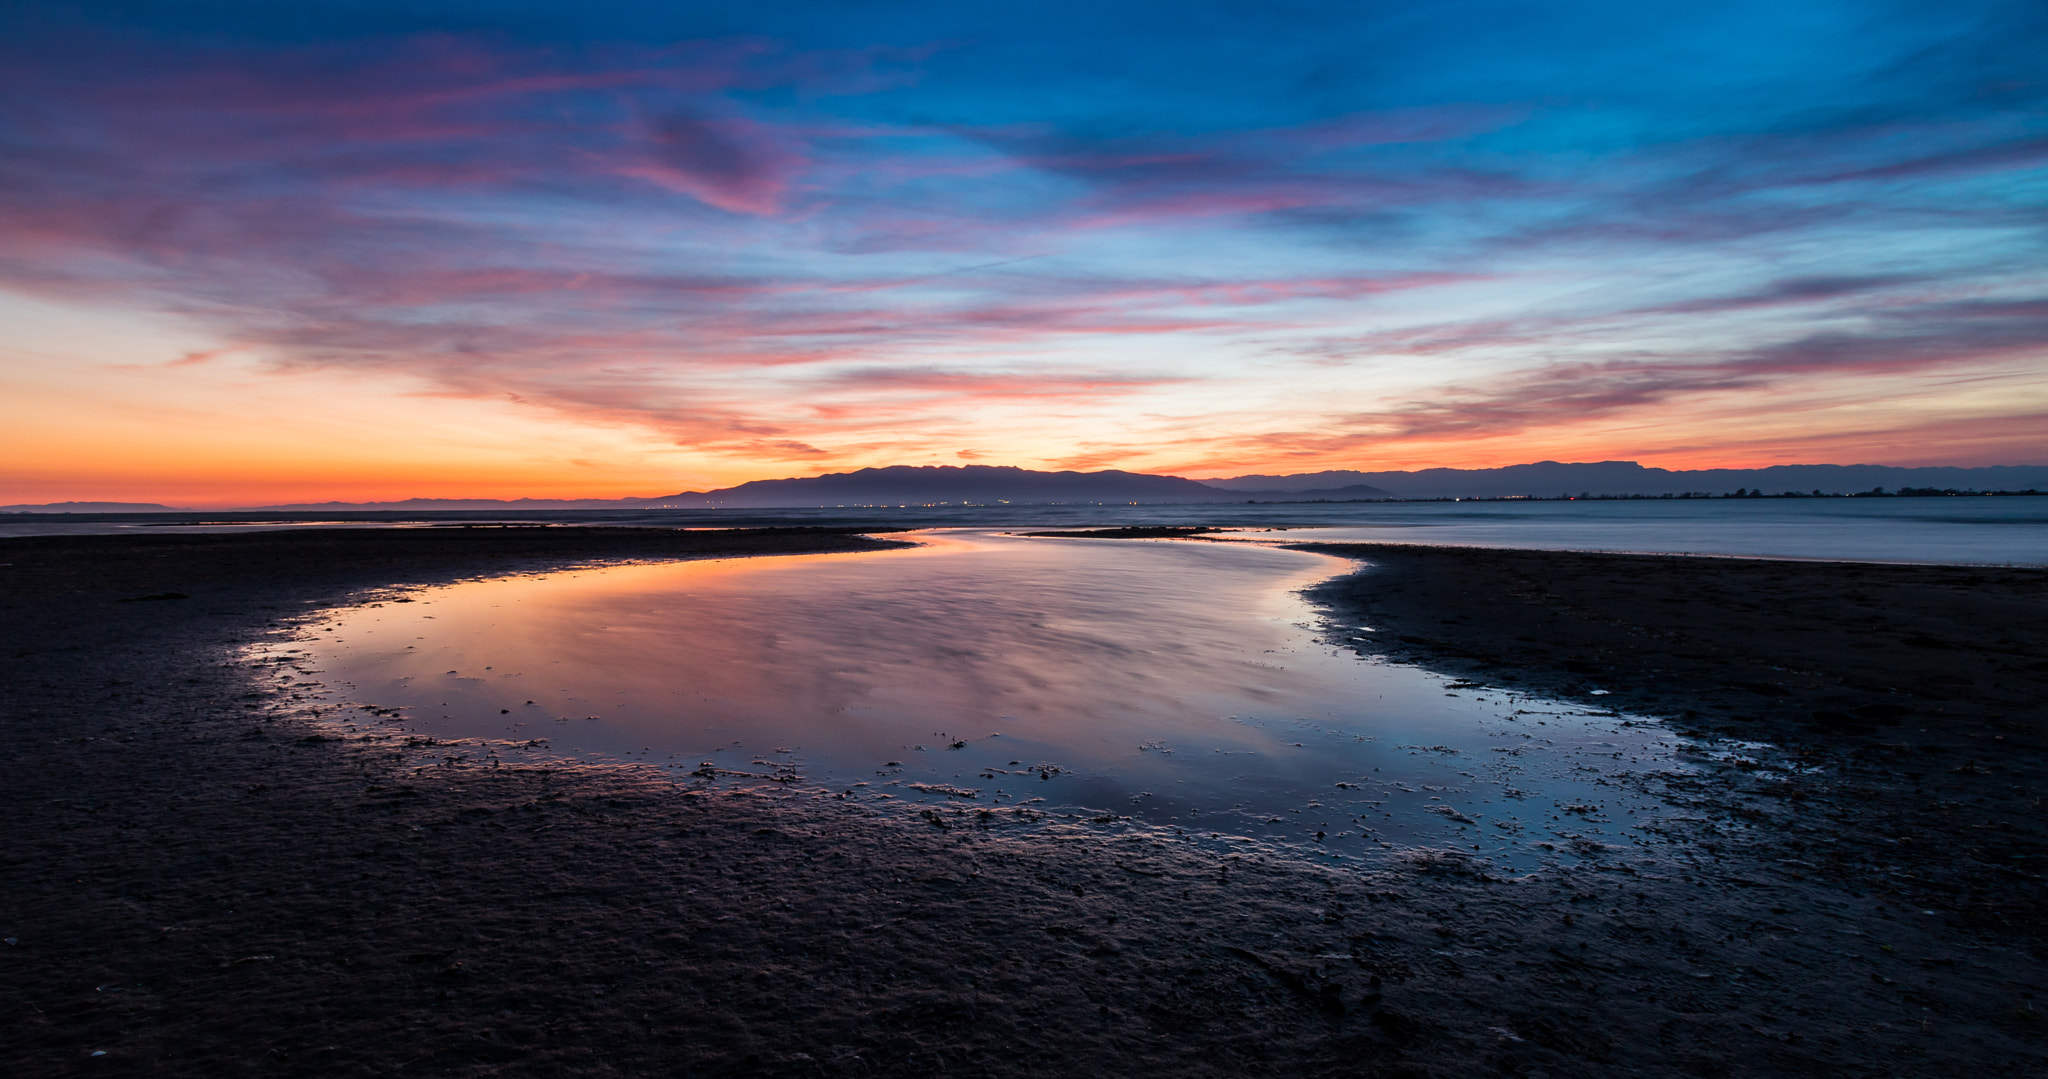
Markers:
1551,478
955,485
916,485
896,485
1356,492
437,505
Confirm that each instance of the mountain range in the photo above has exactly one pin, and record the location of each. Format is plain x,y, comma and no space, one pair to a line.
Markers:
1552,478
926,485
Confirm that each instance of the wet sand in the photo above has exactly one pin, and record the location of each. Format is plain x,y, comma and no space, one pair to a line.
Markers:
201,881
1918,693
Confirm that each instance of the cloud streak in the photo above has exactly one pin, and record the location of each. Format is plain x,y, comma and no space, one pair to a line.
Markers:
782,239
1905,341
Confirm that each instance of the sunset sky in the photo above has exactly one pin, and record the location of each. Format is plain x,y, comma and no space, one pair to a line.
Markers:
270,251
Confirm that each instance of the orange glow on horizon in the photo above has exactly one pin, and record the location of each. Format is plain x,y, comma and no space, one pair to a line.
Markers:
182,422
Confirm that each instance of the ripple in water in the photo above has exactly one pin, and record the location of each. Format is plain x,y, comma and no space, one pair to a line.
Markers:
1183,684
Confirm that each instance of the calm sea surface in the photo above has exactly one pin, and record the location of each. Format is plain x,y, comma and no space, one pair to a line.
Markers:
1983,530
1183,684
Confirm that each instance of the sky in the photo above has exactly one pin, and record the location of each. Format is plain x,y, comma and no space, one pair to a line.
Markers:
360,250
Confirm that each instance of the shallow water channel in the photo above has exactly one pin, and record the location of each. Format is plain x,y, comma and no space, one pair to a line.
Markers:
1179,683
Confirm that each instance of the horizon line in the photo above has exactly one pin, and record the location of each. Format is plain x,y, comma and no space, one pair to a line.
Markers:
512,502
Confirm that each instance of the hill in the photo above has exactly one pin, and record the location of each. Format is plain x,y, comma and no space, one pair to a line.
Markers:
914,485
1552,478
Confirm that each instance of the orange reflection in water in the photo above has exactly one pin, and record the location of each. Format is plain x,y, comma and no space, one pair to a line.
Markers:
1178,681
1041,640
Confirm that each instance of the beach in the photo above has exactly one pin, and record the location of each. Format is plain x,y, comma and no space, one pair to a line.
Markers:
202,881
1917,695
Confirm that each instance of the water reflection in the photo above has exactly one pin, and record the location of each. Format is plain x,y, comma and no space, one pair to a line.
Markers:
1992,531
1180,683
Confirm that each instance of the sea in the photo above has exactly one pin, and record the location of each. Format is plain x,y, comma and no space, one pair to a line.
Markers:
1960,530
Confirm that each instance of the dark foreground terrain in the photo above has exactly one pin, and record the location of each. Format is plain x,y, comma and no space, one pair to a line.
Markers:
1919,693
200,880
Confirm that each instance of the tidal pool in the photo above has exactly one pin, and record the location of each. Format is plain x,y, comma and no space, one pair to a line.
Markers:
1174,682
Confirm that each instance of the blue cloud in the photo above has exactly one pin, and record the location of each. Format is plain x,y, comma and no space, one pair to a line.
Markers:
504,194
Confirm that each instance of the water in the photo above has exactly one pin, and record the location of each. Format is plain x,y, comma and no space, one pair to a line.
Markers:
1982,530
1181,684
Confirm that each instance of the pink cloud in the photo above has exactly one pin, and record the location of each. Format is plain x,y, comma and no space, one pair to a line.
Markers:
992,385
730,163
1934,337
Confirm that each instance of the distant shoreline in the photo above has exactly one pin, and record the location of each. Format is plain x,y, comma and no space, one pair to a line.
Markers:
370,510
904,486
1954,531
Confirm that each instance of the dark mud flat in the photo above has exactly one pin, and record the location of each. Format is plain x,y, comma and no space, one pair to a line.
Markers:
1907,704
199,880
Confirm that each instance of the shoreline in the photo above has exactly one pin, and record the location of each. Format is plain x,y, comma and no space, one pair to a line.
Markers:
1790,648
193,890
1916,697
